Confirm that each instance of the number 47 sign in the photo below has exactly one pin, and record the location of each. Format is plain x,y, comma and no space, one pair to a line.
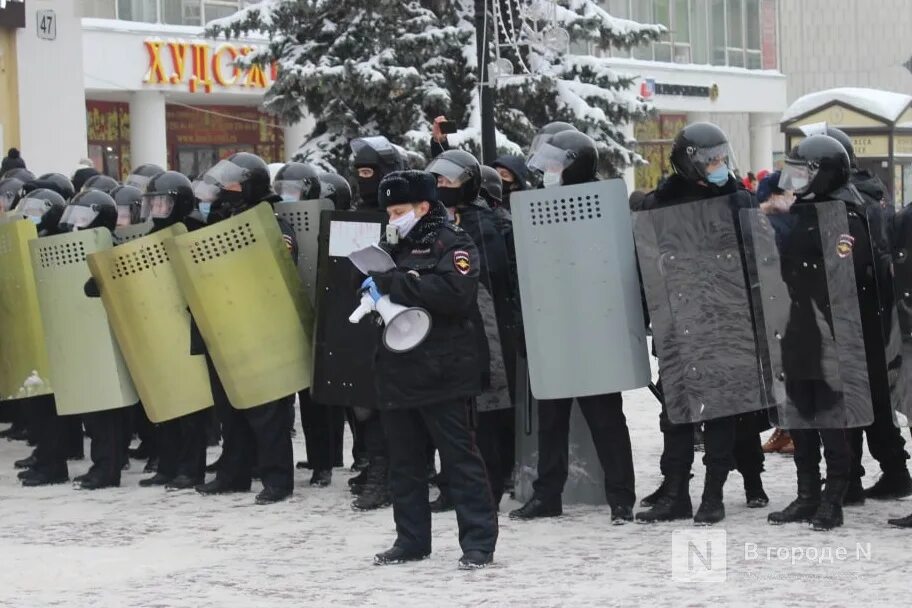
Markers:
47,24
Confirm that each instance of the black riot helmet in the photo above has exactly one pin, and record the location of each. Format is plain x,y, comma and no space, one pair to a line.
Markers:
129,203
104,183
545,134
491,186
11,188
569,158
337,189
141,175
846,141
57,182
241,180
458,177
20,173
297,182
379,155
818,166
89,209
168,199
43,207
698,146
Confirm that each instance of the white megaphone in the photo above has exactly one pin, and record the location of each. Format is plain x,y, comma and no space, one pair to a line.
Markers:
404,327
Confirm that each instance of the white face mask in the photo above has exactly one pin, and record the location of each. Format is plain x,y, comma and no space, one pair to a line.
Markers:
405,223
551,179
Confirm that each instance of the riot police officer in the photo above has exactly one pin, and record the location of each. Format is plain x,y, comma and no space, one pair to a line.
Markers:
57,182
425,391
700,156
459,185
570,157
129,203
181,442
337,189
140,177
818,169
260,435
297,182
103,183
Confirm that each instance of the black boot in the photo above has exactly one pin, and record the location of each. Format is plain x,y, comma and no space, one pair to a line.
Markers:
158,479
621,514
829,513
651,500
26,463
360,464
398,555
97,482
539,507
673,504
712,509
358,480
442,503
475,560
892,484
183,482
151,465
271,495
375,493
42,477
217,486
753,491
901,522
321,479
855,495
804,506
214,467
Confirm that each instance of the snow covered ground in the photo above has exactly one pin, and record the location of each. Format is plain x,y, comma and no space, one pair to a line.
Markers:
134,546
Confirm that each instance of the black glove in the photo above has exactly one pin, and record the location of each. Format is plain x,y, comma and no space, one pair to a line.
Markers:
91,288
384,280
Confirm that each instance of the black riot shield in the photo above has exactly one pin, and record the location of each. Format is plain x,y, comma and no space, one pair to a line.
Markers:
343,351
902,286
699,305
802,266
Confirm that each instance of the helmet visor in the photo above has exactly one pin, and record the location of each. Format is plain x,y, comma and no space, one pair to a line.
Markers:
289,190
456,174
796,177
205,191
226,175
138,181
124,215
33,208
78,216
712,156
6,200
550,159
377,143
156,207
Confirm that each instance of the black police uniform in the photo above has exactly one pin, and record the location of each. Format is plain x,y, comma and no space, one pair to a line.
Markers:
426,391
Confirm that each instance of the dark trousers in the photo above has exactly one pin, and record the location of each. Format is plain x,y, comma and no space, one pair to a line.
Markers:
749,456
359,452
145,430
495,451
447,425
182,444
885,441
110,431
732,442
836,449
605,416
50,432
323,428
259,436
375,444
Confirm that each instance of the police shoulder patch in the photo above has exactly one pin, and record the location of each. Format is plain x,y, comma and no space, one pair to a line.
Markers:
462,261
289,242
845,245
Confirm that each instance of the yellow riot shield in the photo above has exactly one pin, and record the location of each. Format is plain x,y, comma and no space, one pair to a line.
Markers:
87,369
249,305
151,321
23,357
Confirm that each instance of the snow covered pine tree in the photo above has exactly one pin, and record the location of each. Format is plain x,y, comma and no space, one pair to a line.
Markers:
363,67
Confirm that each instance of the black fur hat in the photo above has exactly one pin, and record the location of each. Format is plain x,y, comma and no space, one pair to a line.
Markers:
401,187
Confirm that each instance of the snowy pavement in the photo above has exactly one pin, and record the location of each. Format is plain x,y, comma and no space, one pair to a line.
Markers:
144,547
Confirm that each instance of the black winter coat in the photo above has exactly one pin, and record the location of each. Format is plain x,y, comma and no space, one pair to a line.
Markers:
438,269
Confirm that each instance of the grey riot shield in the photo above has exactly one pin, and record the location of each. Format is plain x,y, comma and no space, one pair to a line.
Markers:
581,308
585,480
700,309
801,264
902,286
125,234
304,217
343,351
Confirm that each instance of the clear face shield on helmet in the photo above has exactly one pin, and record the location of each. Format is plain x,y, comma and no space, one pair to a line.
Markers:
124,215
137,181
454,176
78,217
291,190
33,209
156,207
713,160
380,145
224,175
6,200
550,161
796,177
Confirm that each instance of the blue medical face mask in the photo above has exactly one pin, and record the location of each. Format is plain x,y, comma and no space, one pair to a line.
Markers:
204,209
35,219
718,176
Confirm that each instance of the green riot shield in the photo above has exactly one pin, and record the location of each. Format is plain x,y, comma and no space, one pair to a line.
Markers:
249,303
23,356
304,218
151,321
87,369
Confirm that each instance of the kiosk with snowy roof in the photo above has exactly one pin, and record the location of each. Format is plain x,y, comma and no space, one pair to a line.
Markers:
879,123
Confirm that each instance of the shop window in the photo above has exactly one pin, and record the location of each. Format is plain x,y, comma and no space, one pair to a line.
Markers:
662,15
681,31
700,33
717,31
642,11
217,10
101,9
182,12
